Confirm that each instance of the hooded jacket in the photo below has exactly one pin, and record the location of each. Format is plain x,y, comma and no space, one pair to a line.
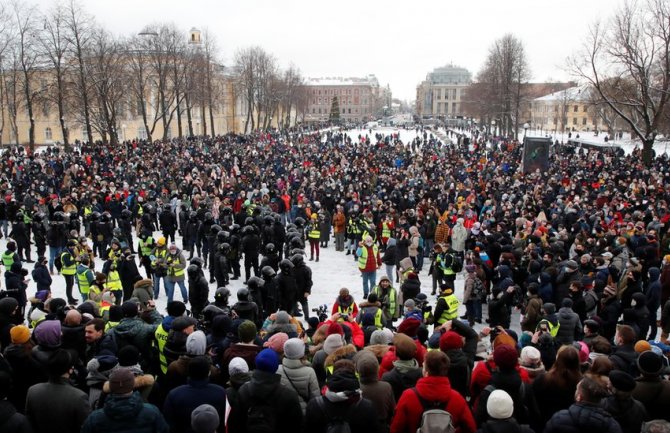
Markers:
582,417
434,389
299,376
570,329
12,421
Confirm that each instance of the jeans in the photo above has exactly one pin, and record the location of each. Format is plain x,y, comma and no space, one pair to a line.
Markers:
369,281
169,288
5,226
473,310
339,241
428,246
157,285
389,272
53,253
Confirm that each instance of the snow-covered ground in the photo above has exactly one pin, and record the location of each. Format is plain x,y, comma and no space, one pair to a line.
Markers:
333,271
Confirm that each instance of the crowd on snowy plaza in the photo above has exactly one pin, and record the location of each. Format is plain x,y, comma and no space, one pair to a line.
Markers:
333,281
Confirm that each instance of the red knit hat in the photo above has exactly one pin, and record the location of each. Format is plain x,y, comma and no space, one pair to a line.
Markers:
506,357
409,326
451,340
334,328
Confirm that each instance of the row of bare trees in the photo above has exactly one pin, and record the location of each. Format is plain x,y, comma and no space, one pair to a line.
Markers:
62,60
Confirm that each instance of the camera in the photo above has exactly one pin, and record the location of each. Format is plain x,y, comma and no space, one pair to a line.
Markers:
321,312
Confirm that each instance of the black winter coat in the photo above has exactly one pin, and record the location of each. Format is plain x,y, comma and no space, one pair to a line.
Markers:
628,412
198,292
41,277
287,290
356,412
580,418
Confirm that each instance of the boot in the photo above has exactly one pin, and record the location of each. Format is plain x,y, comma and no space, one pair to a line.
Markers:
311,258
317,259
348,252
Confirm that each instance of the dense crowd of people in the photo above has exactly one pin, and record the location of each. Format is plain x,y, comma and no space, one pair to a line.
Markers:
581,252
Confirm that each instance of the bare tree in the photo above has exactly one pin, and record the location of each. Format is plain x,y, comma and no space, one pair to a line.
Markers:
54,46
27,54
627,61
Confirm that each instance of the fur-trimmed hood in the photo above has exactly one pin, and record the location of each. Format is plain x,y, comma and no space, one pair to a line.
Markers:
344,352
144,284
379,350
141,382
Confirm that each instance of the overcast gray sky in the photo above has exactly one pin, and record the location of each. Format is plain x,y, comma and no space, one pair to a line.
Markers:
397,41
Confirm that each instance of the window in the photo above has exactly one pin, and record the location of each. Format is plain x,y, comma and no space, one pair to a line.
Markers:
319,111
48,136
313,110
453,94
453,107
585,108
584,121
141,133
575,108
350,111
574,120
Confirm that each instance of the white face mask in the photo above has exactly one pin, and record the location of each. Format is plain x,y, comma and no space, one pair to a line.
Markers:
633,303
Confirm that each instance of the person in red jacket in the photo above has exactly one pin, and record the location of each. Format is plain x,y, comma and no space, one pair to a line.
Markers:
432,387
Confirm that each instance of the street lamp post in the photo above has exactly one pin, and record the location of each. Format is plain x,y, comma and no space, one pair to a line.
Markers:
525,129
493,128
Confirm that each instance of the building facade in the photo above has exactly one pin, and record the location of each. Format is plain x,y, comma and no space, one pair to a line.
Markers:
359,99
441,93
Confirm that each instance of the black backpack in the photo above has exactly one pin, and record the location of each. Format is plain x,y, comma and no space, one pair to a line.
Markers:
261,414
336,424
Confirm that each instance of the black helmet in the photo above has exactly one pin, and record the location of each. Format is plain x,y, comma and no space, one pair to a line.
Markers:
39,217
235,228
95,215
295,251
126,214
222,236
286,265
18,216
222,294
299,222
421,297
268,272
105,218
255,283
167,208
74,216
192,270
296,242
290,227
226,210
269,220
248,230
209,216
210,312
203,205
197,261
297,259
58,216
248,221
215,228
224,247
270,248
243,294
192,215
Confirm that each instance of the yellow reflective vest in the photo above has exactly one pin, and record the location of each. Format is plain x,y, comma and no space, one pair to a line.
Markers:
451,312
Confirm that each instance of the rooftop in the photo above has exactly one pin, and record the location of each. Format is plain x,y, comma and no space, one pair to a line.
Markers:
370,80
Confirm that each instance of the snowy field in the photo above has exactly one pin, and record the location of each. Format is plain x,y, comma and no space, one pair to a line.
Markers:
333,271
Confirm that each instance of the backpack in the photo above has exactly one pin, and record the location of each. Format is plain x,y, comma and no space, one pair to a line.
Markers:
336,424
261,415
58,262
456,263
434,419
478,289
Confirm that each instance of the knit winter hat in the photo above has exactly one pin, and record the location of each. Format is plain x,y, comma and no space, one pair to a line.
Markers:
505,357
129,356
247,331
176,308
382,336
204,419
530,356
451,340
183,322
48,333
267,360
276,342
503,339
121,381
650,364
342,381
19,334
129,309
367,366
332,343
104,362
622,381
237,365
642,346
282,318
409,326
405,348
334,328
196,343
500,405
294,348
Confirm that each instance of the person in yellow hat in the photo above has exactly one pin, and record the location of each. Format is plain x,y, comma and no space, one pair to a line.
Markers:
314,235
159,265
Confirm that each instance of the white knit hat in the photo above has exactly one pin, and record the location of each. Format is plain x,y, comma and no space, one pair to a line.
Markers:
500,405
530,356
332,343
237,365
